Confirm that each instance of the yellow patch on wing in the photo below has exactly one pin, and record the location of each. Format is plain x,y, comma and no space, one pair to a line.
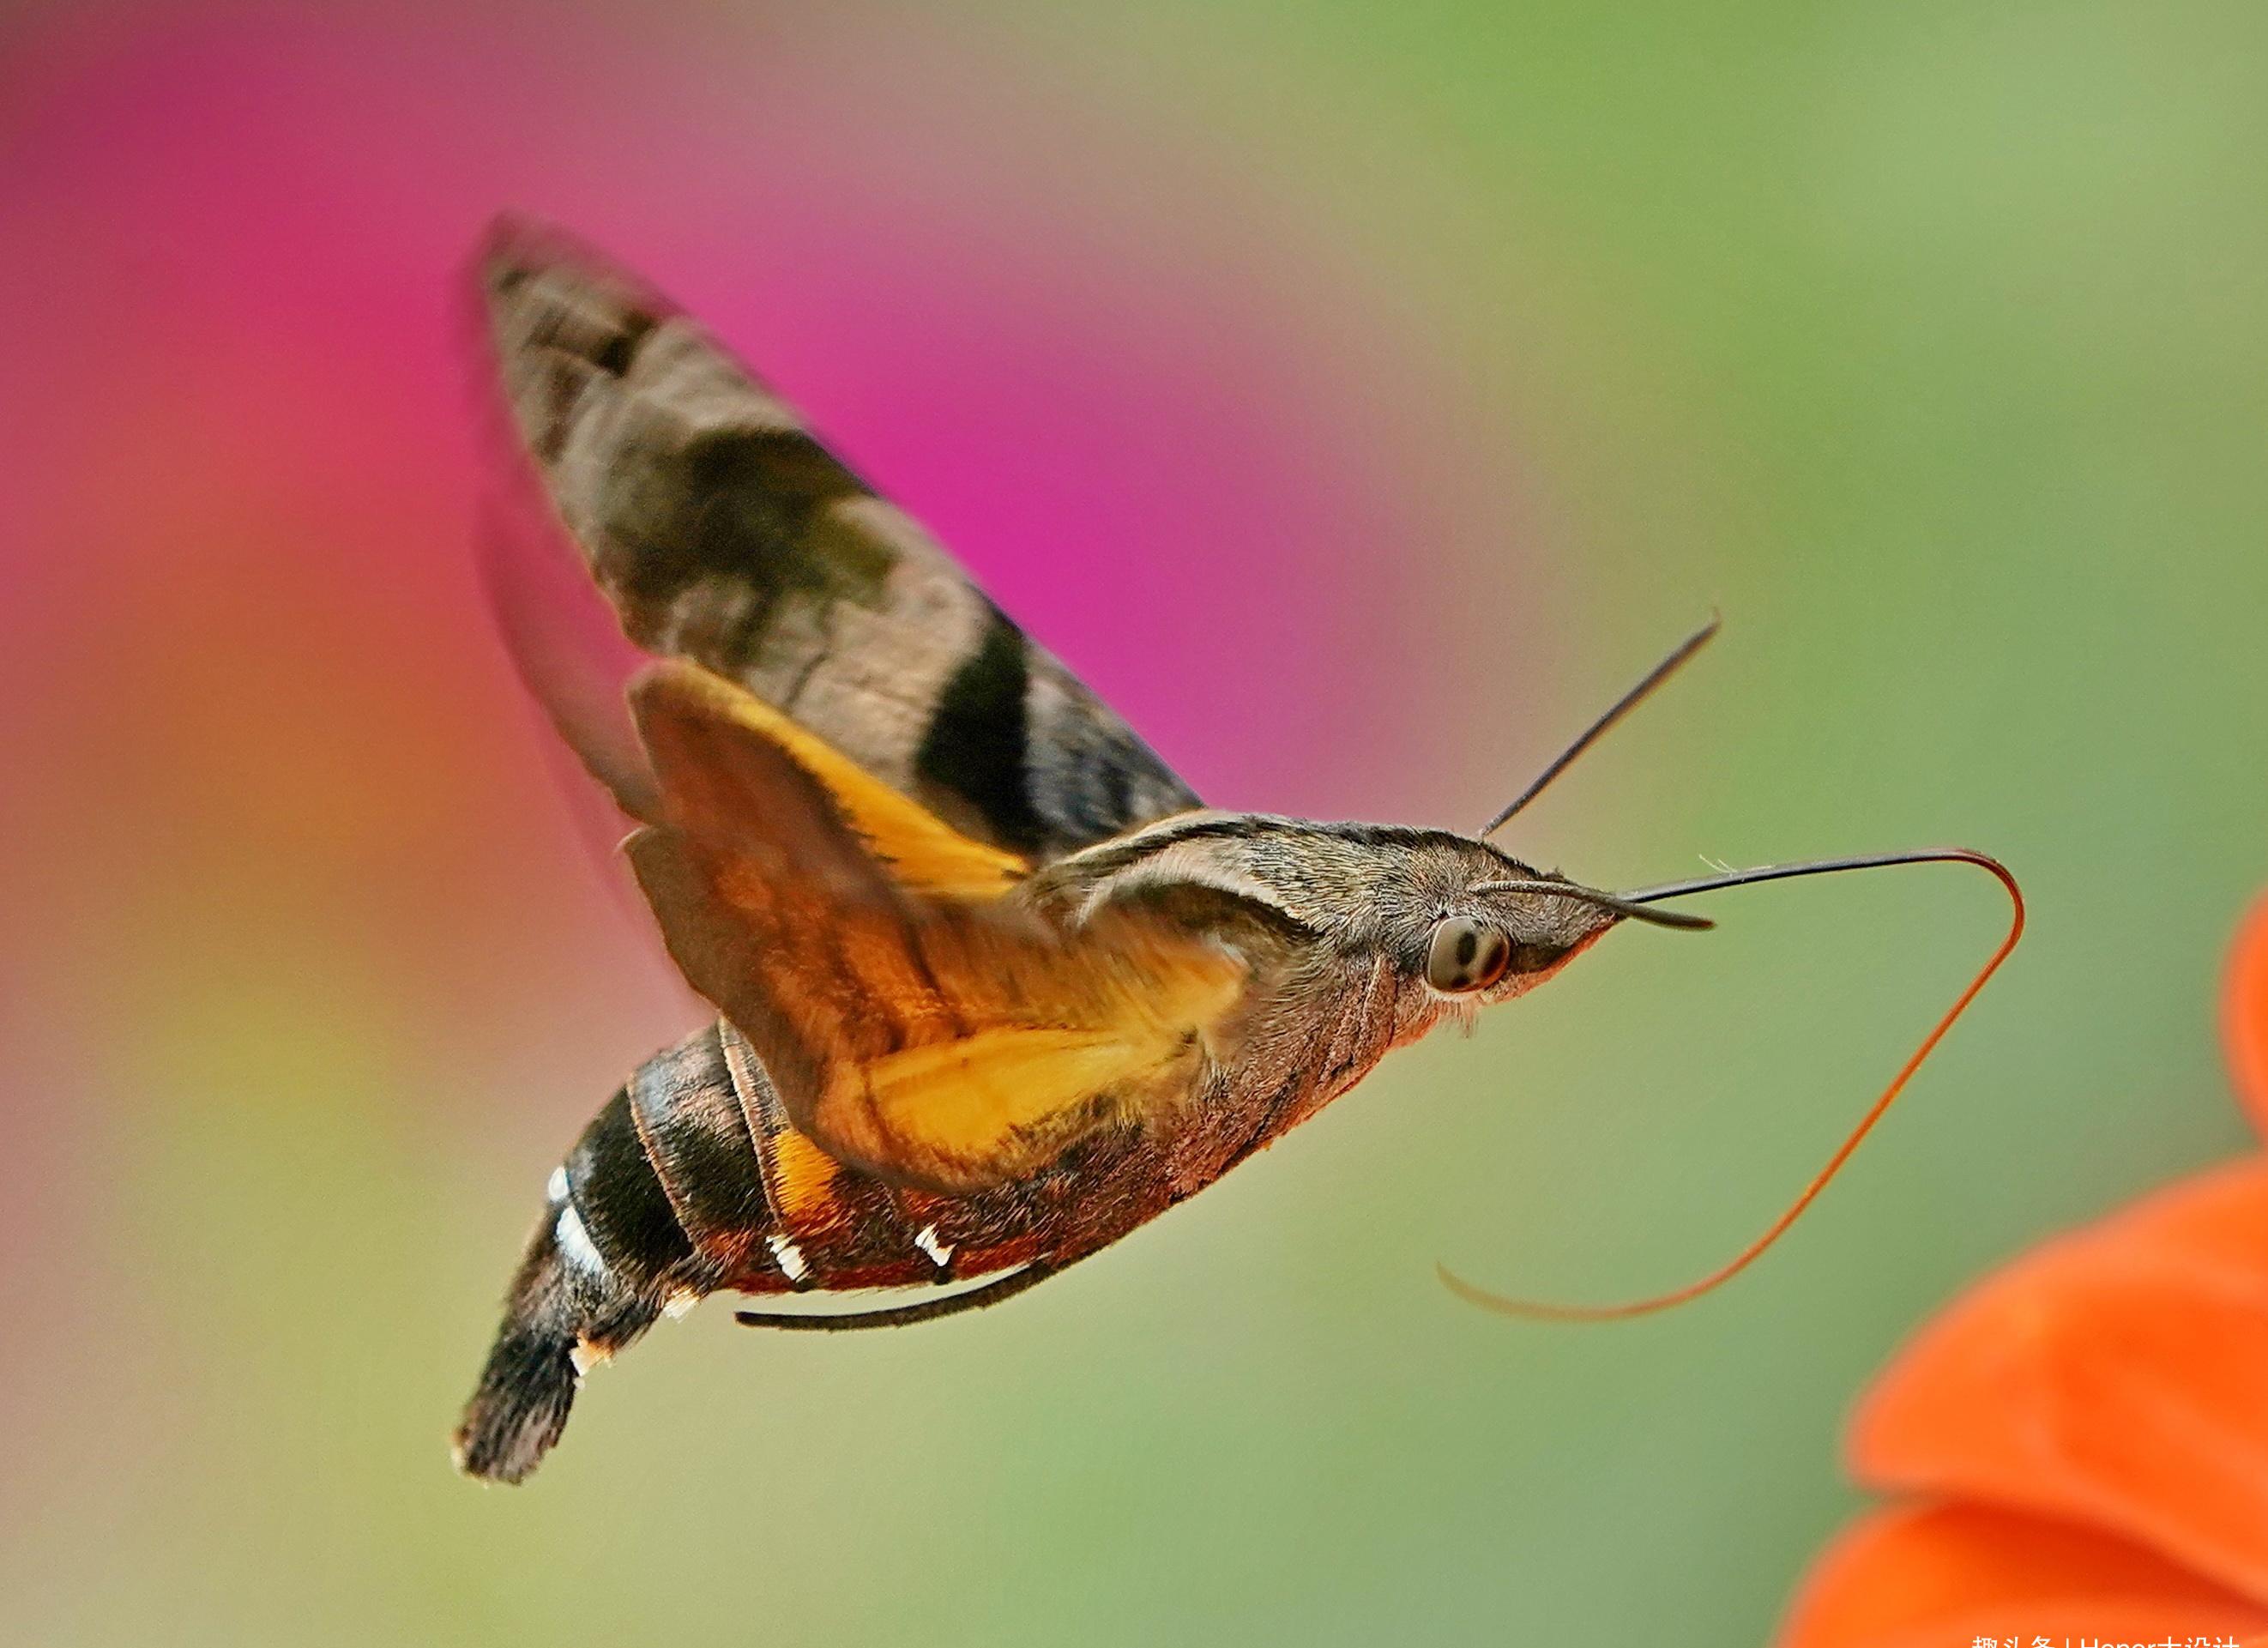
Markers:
992,1083
968,1099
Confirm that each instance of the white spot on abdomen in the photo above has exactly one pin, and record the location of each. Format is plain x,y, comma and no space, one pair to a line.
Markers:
790,1257
575,1242
940,1253
555,1187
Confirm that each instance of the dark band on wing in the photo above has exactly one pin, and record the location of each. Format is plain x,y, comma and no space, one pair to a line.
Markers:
723,533
978,736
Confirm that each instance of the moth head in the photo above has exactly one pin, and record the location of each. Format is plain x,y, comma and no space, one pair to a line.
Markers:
1502,935
1492,945
1459,922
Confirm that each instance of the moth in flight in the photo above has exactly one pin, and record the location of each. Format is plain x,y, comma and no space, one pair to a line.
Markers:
993,987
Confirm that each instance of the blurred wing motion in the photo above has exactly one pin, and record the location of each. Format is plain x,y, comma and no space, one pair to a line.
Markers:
723,534
914,1024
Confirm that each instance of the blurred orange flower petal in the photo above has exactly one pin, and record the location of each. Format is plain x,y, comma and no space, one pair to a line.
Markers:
2117,1376
1933,1575
2244,1015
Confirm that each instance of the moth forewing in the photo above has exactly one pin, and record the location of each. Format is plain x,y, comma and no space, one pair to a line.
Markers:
722,532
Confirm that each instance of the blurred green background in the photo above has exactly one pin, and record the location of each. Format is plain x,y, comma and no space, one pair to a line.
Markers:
1360,396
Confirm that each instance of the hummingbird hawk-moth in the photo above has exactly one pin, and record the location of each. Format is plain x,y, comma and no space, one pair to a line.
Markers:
993,987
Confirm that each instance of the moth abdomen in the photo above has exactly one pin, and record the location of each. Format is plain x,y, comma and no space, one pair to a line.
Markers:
567,1309
667,1197
607,1260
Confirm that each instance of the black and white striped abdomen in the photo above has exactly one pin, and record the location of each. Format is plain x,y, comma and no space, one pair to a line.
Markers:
617,1248
691,1180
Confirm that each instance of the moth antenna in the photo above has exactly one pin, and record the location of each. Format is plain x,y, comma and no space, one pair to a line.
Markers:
1597,730
1619,903
1545,1311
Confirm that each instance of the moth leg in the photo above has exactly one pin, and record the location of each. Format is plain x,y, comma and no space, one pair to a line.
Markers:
902,1315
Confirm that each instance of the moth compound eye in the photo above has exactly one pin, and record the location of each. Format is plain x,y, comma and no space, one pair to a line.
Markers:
1465,955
